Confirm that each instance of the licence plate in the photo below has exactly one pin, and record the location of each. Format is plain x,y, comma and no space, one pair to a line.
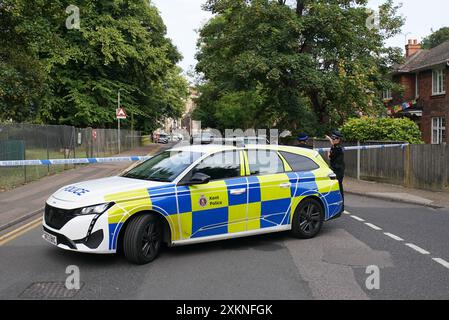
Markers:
50,238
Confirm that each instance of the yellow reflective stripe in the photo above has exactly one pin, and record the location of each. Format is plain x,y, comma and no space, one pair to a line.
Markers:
270,187
254,213
324,183
242,164
209,196
287,167
127,204
245,155
237,218
185,219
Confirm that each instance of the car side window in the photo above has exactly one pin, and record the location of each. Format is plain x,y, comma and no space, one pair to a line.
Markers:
220,166
299,163
263,162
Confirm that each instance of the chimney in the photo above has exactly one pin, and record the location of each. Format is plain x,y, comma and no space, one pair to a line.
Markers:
412,47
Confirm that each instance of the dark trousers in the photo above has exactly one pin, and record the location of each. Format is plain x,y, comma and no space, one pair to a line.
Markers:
340,183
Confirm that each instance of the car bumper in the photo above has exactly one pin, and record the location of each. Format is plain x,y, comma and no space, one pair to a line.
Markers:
75,234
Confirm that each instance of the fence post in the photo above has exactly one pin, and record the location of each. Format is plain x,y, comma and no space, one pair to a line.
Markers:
358,160
407,166
48,151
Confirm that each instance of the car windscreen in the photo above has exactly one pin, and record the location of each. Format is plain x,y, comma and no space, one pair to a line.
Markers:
164,167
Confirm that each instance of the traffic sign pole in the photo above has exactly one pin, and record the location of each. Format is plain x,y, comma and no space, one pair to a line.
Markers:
118,119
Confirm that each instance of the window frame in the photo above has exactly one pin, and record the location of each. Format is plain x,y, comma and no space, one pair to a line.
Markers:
317,166
387,95
440,128
248,165
190,170
438,82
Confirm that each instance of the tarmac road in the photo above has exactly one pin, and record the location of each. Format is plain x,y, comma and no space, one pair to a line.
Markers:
402,240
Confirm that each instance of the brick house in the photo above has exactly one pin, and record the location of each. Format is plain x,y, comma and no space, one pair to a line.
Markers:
425,78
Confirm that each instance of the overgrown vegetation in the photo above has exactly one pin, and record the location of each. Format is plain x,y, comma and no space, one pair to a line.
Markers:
382,129
304,65
51,74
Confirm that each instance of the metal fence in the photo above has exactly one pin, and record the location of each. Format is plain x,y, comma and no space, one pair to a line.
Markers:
416,166
32,142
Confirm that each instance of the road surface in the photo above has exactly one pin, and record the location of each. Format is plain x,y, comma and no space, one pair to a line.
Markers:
409,244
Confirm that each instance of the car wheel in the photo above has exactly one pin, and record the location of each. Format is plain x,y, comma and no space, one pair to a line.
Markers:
143,239
308,219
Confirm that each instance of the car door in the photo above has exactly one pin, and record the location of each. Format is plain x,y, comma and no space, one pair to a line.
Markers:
270,189
220,206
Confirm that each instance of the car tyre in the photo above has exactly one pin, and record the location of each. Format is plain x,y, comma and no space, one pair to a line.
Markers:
308,219
143,239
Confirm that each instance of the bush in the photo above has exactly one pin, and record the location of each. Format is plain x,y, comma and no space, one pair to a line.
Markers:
382,129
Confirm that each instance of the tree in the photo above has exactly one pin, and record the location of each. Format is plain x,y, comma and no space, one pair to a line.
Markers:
121,45
307,63
382,129
436,38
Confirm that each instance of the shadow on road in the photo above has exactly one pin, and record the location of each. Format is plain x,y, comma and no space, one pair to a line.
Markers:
264,243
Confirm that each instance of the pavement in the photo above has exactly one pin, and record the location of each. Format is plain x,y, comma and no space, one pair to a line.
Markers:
433,199
407,245
26,201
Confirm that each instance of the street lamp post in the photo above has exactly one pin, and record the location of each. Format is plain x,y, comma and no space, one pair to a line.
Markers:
118,119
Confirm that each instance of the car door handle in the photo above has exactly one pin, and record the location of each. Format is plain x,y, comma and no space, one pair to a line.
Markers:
285,185
237,192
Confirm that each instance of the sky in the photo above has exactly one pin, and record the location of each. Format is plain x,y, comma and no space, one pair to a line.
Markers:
184,17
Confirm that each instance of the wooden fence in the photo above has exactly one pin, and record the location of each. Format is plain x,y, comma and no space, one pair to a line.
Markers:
416,166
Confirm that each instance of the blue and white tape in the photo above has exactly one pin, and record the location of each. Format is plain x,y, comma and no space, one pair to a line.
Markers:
355,148
15,163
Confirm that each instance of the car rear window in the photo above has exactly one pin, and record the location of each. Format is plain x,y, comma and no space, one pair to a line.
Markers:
299,163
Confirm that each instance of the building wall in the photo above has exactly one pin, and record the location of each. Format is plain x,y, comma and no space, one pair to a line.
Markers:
433,106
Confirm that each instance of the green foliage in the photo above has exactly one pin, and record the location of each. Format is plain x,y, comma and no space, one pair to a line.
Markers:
73,76
382,129
436,38
301,64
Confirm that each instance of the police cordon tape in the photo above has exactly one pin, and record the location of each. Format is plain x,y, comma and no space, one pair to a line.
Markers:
355,148
16,163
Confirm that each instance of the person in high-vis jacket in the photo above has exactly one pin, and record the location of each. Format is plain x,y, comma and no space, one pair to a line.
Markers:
337,158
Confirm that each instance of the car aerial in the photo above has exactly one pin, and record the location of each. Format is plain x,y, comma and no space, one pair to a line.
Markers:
194,194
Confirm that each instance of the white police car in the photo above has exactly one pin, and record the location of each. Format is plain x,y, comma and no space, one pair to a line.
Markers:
195,194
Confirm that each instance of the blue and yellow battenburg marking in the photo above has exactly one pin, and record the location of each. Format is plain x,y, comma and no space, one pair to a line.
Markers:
220,207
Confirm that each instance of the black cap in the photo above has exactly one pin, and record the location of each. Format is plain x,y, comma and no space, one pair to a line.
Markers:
337,134
303,137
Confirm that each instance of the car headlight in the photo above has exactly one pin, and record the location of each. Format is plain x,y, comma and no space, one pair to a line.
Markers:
97,209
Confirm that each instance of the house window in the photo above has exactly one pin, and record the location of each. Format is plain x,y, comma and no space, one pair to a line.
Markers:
438,130
386,94
438,85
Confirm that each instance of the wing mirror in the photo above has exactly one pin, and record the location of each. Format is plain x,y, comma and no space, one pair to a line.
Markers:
199,178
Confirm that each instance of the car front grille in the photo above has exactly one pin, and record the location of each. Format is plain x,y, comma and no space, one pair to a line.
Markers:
57,218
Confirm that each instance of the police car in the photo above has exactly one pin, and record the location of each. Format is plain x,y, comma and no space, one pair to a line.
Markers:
195,194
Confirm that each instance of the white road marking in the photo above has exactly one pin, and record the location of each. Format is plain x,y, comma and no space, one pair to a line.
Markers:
392,236
416,248
373,226
346,212
357,218
444,263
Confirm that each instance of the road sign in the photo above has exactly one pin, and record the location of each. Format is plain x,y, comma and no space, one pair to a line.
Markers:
121,114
